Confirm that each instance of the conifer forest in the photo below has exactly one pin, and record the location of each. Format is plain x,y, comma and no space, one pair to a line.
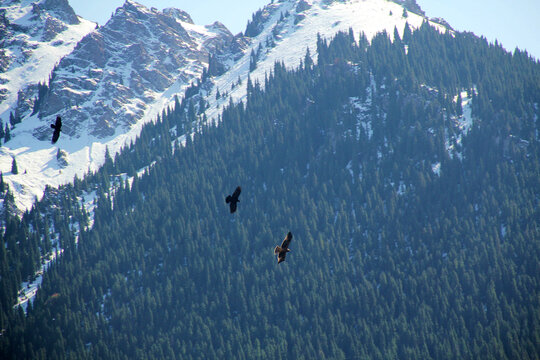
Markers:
416,235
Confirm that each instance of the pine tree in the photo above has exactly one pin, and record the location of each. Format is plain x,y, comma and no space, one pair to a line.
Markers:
252,61
12,119
14,169
308,62
7,135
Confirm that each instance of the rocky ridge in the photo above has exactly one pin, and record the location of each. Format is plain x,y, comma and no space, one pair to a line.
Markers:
112,75
34,36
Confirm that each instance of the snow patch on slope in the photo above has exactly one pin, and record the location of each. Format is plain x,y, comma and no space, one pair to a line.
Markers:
292,37
28,289
44,54
36,160
462,124
285,38
37,163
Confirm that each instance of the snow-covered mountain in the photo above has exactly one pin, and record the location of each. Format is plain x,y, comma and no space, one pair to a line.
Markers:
107,83
284,30
115,79
34,36
126,72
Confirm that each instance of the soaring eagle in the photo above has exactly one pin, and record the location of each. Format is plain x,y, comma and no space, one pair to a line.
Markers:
233,199
57,128
282,250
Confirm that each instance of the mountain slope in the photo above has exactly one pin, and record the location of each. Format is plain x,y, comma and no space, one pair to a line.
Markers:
105,97
392,257
35,36
117,78
285,30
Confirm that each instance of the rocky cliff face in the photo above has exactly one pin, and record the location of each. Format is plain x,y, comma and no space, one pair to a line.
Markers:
411,5
104,82
62,11
126,72
108,81
34,36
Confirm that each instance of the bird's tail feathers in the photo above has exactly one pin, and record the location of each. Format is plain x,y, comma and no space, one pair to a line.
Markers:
277,250
228,199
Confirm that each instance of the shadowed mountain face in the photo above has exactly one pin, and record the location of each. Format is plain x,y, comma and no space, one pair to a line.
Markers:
117,71
62,10
26,29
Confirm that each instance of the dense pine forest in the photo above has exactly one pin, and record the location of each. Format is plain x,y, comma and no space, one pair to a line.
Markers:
415,236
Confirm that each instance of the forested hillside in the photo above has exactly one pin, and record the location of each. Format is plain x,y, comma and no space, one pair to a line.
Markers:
416,234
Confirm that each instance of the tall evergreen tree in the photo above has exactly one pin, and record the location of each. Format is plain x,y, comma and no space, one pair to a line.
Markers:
14,169
7,135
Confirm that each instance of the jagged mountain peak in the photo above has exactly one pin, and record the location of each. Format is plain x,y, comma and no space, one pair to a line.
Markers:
282,31
133,21
136,9
62,9
100,87
35,35
125,72
218,26
178,14
31,17
118,77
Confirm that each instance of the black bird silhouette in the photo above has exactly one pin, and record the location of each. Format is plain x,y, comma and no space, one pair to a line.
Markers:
233,199
57,128
282,250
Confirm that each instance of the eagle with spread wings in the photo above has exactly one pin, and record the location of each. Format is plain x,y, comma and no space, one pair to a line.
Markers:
282,250
57,126
233,199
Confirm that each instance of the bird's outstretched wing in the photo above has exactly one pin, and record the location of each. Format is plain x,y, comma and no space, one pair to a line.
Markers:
57,126
233,199
286,241
237,192
282,250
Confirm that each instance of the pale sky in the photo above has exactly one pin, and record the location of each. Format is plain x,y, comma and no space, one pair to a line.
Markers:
233,13
514,23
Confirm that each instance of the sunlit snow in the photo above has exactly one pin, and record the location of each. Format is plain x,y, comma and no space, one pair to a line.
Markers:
463,124
37,161
29,289
44,56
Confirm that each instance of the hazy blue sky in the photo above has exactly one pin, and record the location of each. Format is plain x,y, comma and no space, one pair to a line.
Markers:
514,23
233,13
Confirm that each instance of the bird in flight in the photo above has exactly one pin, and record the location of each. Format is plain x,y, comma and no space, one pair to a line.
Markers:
57,128
233,199
282,250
